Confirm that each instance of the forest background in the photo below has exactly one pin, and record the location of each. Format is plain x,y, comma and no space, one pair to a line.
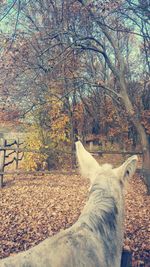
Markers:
76,69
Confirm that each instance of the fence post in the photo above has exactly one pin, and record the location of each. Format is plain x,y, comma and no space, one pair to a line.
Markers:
2,160
17,154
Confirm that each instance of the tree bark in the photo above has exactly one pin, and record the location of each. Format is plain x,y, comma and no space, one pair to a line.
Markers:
141,132
2,160
119,74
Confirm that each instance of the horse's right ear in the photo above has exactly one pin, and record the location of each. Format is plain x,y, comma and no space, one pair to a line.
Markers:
88,165
127,169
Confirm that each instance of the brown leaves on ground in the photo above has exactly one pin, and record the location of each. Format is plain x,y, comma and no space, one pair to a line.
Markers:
33,209
137,222
37,207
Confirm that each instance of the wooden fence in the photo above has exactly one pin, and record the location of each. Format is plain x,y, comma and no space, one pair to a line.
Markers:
10,152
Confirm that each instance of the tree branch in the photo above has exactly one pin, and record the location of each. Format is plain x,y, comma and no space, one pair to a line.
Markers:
9,9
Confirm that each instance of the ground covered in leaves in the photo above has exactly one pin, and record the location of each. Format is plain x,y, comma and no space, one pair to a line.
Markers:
34,208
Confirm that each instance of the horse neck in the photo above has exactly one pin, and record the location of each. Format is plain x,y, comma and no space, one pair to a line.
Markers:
103,217
100,210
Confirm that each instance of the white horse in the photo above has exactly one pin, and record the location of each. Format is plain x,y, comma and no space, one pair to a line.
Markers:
96,239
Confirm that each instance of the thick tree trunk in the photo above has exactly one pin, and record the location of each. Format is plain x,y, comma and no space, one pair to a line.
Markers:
146,169
141,132
73,138
119,73
2,160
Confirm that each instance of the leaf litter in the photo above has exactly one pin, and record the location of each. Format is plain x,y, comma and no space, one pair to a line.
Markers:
34,208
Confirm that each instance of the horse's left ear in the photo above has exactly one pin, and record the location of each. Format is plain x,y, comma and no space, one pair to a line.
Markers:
127,169
88,165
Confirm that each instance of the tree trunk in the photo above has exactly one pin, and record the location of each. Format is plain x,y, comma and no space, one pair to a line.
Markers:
73,139
2,160
146,169
119,73
141,132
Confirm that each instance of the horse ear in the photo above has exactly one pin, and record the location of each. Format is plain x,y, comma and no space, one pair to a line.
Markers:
88,165
127,169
